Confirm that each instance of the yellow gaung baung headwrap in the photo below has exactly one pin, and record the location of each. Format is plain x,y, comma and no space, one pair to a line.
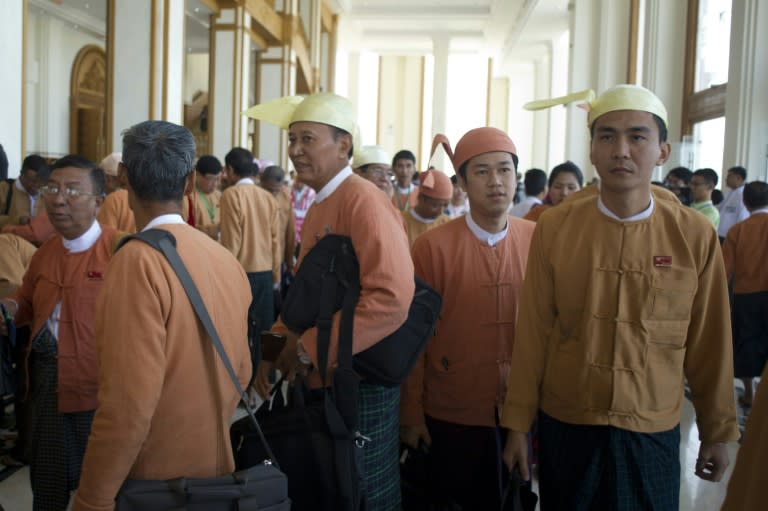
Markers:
370,154
324,108
619,97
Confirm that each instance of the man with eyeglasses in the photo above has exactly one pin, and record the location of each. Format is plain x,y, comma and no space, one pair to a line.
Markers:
372,163
206,196
58,298
702,184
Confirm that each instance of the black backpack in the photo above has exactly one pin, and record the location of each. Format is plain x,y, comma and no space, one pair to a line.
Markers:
387,362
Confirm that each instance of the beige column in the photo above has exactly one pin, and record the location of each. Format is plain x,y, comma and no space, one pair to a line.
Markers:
598,60
746,104
12,85
146,63
229,79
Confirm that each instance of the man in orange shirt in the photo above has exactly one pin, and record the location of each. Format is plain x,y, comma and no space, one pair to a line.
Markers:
745,253
477,262
434,194
320,133
406,192
58,298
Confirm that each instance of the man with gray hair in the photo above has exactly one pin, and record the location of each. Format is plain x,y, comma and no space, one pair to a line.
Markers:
160,416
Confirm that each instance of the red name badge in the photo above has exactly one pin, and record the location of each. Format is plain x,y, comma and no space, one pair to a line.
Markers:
95,275
664,261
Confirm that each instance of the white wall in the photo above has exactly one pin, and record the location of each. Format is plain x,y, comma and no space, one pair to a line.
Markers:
195,75
523,85
51,51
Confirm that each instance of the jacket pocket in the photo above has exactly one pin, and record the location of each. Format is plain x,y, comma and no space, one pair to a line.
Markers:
672,293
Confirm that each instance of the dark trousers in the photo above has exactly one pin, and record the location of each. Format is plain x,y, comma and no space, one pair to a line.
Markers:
465,465
260,313
586,467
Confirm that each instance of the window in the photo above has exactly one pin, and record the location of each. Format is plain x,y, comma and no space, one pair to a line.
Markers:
706,79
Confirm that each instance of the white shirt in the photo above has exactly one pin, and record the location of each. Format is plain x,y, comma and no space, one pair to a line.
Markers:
171,218
732,210
334,183
245,181
761,210
524,206
421,218
647,212
489,238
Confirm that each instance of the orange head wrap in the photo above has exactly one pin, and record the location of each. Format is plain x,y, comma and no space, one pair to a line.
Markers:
433,183
475,142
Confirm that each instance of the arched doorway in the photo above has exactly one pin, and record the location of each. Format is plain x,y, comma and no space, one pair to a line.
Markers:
88,104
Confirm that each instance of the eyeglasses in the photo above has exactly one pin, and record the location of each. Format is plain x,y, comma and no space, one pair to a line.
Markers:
69,193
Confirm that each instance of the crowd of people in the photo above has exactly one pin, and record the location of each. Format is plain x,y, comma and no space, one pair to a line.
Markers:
572,319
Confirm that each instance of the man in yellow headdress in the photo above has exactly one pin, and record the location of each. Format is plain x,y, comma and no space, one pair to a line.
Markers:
372,163
321,128
625,298
477,263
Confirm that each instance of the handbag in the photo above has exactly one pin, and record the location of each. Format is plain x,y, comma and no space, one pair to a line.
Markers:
260,487
315,432
389,361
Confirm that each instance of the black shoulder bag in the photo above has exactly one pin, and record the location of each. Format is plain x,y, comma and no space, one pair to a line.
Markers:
389,361
262,486
315,434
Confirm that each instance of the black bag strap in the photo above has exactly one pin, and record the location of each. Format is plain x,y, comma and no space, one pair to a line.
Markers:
8,196
341,404
165,242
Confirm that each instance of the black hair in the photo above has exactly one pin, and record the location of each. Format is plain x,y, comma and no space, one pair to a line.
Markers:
739,171
158,157
535,181
463,167
338,132
273,173
3,164
756,195
208,164
659,124
35,163
404,154
240,160
454,180
682,173
95,174
566,167
717,196
709,175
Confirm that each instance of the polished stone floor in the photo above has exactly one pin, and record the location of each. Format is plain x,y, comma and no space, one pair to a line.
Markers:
695,494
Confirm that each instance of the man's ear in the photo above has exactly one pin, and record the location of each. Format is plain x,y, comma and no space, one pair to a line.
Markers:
666,150
190,186
122,175
345,145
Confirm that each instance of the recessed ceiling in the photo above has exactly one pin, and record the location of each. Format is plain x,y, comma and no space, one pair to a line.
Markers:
493,27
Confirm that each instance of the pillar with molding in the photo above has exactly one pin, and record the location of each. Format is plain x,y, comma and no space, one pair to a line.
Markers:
746,104
598,60
229,80
441,48
12,86
146,63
